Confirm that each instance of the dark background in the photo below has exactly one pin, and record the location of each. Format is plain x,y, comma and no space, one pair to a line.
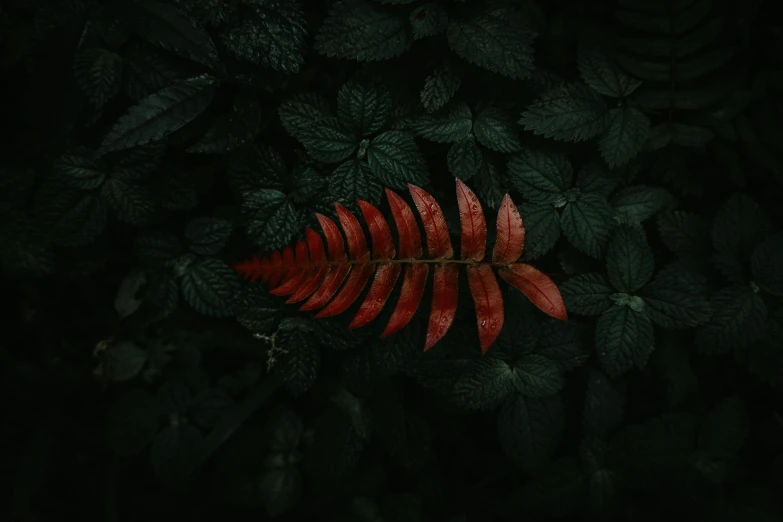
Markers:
149,146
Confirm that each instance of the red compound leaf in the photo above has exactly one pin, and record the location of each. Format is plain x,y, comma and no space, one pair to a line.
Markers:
332,280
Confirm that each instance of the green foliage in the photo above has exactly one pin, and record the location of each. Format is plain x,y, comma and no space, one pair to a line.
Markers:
154,144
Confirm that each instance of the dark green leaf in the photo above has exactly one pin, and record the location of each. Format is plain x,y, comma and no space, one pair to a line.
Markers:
623,338
207,236
125,302
308,184
485,384
453,127
739,226
395,160
629,259
302,111
496,130
258,310
300,357
328,140
176,191
496,40
231,130
136,163
429,19
258,168
131,422
561,342
271,220
596,179
361,30
130,202
639,202
161,113
685,233
604,406
530,429
78,170
570,112
675,300
653,453
587,222
542,228
364,107
738,317
540,176
440,87
587,294
208,406
558,490
724,430
72,217
271,33
603,486
210,287
123,361
166,26
625,136
157,247
281,489
464,158
603,76
160,296
767,265
147,71
99,74
538,376
353,180
488,184
283,430
173,454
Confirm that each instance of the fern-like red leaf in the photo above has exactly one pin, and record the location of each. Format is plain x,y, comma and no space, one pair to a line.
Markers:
329,279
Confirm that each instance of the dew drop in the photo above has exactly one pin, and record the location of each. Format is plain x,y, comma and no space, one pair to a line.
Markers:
444,320
483,323
492,326
475,206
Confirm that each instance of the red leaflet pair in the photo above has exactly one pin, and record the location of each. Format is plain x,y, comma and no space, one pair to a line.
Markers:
309,273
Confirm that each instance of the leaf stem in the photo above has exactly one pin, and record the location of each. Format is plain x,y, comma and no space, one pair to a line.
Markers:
440,261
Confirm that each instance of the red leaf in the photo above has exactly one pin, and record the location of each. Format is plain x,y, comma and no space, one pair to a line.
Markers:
380,290
445,282
334,240
510,241
296,273
357,245
473,243
309,284
536,286
382,244
488,301
407,228
350,292
435,227
316,246
317,276
328,288
410,298
281,264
